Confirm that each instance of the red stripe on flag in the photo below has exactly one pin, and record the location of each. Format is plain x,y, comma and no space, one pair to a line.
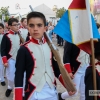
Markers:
77,4
86,46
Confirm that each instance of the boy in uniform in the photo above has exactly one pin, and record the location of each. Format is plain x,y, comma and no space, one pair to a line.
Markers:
35,57
89,75
9,47
76,61
23,28
2,80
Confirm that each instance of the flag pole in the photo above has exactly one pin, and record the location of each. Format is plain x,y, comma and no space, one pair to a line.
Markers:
92,47
93,66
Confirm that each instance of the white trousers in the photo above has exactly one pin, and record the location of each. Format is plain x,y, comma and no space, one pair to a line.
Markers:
46,94
10,73
80,86
1,71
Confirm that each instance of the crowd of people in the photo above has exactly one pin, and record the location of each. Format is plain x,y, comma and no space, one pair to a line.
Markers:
31,68
51,34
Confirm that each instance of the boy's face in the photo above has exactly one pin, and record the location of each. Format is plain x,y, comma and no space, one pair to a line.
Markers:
36,28
24,23
14,26
1,30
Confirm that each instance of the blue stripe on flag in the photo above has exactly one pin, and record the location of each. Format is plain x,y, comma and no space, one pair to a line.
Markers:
63,28
94,29
64,31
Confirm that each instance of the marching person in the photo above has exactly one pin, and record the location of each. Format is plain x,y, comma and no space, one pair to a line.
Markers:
50,30
2,80
35,57
9,46
89,75
24,34
23,28
76,61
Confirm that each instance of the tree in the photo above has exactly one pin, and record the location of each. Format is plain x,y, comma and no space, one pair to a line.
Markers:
4,10
60,12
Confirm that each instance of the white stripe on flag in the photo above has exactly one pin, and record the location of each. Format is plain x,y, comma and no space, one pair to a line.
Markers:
79,26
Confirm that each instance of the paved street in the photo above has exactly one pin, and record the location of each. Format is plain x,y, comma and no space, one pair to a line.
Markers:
59,86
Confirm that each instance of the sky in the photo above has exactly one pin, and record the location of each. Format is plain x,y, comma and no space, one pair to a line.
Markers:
24,4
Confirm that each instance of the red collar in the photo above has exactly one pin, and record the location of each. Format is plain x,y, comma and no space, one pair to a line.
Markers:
37,41
22,27
11,32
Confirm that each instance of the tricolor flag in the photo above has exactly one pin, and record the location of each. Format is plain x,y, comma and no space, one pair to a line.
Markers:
77,25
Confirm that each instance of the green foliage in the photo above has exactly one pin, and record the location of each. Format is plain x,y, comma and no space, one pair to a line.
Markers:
4,10
6,18
60,12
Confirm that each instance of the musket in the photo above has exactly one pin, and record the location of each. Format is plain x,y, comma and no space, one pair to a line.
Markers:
22,40
66,78
31,8
20,15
